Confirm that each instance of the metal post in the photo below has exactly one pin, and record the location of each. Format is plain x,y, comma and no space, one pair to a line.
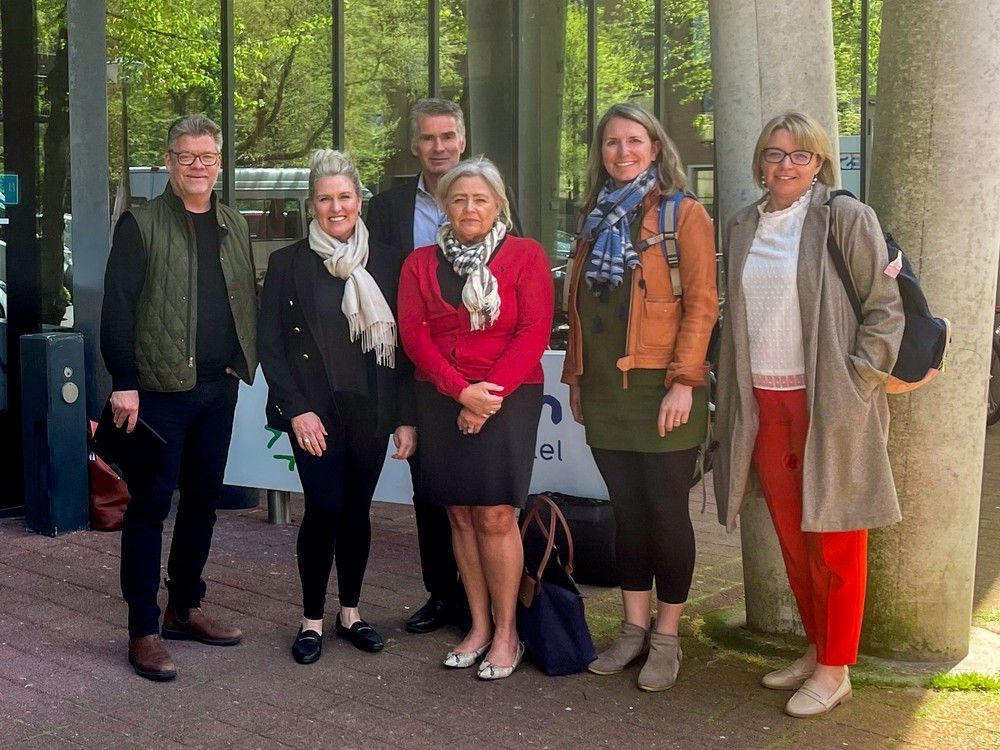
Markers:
226,54
339,75
658,59
279,507
863,191
591,67
433,48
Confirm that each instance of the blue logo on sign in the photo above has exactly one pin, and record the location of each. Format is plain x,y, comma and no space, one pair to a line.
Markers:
10,193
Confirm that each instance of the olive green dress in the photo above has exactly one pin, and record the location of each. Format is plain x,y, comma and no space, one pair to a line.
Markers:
618,418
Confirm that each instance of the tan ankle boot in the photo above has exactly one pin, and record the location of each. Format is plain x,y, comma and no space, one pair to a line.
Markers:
629,644
663,663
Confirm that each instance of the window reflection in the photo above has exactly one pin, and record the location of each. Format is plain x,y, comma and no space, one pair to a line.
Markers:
385,52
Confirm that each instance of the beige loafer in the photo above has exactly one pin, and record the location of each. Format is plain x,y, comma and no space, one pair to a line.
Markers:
627,647
811,700
791,677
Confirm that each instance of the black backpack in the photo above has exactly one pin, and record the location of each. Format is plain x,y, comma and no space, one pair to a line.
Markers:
923,351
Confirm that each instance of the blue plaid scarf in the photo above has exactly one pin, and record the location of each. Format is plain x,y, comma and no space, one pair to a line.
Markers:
607,227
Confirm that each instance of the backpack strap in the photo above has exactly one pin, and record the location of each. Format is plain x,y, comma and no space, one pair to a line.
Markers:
667,238
839,262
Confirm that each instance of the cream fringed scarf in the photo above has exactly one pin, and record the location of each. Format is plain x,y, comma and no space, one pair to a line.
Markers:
364,305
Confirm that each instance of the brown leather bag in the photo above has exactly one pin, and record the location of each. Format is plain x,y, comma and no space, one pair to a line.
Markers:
108,493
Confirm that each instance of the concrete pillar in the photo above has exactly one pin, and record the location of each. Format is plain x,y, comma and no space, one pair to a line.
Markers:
492,46
767,58
936,187
515,101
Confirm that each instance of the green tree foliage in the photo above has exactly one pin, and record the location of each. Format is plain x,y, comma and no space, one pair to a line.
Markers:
847,58
168,54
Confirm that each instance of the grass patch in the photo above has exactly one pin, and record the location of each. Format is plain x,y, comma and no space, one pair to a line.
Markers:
987,615
969,681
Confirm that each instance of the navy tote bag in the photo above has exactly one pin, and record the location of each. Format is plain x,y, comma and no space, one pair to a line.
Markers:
550,616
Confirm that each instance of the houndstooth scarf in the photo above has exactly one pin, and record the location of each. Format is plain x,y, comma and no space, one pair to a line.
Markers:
364,305
607,228
479,295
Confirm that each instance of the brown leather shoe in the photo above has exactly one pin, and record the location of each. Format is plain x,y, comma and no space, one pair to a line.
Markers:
199,627
150,658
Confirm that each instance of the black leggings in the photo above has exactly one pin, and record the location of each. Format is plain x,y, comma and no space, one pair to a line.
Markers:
654,536
338,488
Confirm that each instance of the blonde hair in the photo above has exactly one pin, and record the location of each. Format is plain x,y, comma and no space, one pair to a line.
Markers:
808,135
477,166
668,163
328,162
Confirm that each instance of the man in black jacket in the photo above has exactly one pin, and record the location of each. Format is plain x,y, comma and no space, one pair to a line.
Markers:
405,217
178,329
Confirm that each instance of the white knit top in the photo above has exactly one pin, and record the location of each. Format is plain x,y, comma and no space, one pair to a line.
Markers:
774,322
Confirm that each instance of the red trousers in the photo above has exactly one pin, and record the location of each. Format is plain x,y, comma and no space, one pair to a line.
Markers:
827,570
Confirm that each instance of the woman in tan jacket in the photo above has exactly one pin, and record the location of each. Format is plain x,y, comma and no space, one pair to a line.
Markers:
637,371
801,397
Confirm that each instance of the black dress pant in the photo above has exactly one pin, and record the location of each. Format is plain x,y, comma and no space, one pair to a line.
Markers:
437,558
338,488
197,426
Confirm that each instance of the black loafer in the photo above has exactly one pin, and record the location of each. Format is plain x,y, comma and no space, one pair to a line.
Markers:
361,635
308,646
435,613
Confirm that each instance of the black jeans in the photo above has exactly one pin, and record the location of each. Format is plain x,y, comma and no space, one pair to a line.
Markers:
437,558
338,488
653,532
197,426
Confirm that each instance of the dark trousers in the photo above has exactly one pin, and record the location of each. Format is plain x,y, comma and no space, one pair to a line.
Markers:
338,488
653,533
197,426
437,559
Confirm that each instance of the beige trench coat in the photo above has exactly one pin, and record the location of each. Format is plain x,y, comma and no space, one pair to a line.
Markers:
847,480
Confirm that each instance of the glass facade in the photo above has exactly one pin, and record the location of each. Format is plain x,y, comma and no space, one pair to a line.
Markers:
531,77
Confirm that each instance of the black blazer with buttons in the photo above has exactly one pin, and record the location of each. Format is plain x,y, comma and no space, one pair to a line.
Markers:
390,216
297,372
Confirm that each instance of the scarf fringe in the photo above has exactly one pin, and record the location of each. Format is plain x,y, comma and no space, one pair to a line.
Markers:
379,337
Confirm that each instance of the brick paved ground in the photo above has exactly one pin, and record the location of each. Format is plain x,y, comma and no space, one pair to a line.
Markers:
64,681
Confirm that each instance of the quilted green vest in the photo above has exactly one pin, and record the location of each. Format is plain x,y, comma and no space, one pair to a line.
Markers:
167,314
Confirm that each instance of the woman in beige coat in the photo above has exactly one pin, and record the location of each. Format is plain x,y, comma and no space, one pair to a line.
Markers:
801,399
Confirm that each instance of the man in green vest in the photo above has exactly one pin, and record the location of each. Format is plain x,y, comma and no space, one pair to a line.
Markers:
177,334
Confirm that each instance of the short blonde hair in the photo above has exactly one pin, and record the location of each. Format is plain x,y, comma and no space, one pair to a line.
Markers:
808,135
328,162
477,166
668,163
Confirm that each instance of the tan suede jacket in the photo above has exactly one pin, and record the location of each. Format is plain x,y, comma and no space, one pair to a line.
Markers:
664,331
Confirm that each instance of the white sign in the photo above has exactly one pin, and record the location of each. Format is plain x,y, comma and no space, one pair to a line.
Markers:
262,457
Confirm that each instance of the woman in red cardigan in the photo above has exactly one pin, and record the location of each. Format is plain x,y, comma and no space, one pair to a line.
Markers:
475,312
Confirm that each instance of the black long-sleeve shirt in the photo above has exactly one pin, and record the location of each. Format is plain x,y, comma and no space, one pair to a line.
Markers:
216,343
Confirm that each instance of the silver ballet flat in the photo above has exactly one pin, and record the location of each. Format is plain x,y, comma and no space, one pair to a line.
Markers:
458,660
488,671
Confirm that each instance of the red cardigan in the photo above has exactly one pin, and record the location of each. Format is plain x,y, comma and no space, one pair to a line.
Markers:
437,336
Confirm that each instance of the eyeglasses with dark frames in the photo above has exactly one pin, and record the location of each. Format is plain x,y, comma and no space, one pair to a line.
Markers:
186,159
799,158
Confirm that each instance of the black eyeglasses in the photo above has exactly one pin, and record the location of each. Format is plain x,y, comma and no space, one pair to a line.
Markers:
776,156
186,159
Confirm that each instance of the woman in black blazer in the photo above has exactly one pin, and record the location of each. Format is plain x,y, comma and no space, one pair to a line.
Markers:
339,384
